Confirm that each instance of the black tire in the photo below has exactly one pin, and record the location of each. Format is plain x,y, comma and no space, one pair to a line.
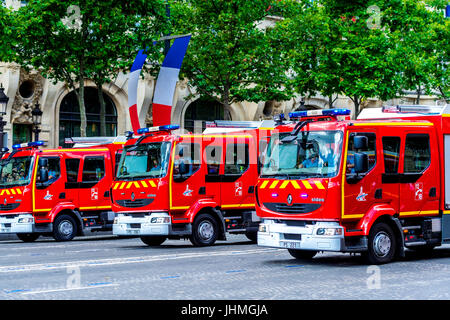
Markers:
302,254
64,228
28,237
153,240
252,236
382,244
205,230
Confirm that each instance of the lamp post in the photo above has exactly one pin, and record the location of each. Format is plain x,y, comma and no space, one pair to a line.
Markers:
3,104
36,114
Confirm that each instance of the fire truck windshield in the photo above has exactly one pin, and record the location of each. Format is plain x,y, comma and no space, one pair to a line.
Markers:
311,154
15,171
147,160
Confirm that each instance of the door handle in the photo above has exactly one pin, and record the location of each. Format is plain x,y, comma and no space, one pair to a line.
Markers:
432,192
379,194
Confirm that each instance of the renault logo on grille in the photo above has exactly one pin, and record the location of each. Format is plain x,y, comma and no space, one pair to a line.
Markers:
132,196
289,199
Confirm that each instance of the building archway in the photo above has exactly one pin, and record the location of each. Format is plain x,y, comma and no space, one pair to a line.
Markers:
203,110
69,115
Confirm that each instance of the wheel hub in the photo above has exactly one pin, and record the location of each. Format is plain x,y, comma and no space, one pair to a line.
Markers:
382,244
206,230
65,228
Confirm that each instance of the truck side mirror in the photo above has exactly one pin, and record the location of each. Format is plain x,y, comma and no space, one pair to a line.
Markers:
360,142
43,175
361,162
182,168
43,162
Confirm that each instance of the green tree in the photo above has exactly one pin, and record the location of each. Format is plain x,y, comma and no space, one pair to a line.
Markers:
231,57
420,36
344,53
71,41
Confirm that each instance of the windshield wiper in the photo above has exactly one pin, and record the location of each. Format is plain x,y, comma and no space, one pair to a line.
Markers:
276,175
134,178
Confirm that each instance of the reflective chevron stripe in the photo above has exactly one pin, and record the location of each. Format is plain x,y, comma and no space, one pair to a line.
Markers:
12,191
306,184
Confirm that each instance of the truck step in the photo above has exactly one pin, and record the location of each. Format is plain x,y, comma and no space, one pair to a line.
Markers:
411,228
415,243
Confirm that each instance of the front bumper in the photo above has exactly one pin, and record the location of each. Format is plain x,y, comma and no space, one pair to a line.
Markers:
21,223
280,235
125,225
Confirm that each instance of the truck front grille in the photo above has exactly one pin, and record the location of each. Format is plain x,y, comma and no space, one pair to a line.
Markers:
9,206
295,208
134,204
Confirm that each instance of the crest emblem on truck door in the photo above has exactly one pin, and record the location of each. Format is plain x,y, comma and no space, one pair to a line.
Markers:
48,196
362,195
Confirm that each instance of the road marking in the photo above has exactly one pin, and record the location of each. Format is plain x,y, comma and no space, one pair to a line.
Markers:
117,261
90,286
235,271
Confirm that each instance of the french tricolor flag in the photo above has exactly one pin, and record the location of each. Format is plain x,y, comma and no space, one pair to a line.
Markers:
165,83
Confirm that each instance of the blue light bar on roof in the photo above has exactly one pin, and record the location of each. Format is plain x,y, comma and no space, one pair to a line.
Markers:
168,127
28,144
316,113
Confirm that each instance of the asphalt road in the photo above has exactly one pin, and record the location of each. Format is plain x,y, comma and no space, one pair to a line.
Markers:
106,267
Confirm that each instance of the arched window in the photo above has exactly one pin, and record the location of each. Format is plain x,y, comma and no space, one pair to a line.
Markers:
69,115
204,110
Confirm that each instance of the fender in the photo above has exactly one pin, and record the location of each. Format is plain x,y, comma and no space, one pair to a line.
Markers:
207,203
377,211
365,224
199,205
63,206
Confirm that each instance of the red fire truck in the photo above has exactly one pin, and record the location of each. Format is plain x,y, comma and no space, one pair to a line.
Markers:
196,186
57,192
375,185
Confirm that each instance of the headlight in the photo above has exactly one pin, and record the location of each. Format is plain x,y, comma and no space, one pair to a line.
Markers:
262,227
329,231
160,220
25,220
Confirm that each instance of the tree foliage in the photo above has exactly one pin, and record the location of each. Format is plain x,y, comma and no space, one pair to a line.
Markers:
232,57
71,41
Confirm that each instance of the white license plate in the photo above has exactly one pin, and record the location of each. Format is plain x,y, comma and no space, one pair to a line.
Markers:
5,230
133,231
290,245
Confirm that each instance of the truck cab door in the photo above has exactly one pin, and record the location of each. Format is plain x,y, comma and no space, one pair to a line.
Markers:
390,187
239,177
419,181
187,177
360,189
48,193
95,184
213,155
72,185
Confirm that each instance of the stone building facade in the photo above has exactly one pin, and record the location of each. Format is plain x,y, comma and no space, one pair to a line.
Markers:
25,89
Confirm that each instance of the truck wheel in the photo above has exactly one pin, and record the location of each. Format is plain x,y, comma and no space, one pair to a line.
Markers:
204,231
28,237
382,244
302,254
153,240
64,228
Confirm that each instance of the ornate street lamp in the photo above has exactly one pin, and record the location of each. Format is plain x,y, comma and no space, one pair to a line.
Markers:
3,105
36,114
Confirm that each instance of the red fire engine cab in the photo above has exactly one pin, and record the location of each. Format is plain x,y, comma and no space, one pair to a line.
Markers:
198,186
57,192
375,185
